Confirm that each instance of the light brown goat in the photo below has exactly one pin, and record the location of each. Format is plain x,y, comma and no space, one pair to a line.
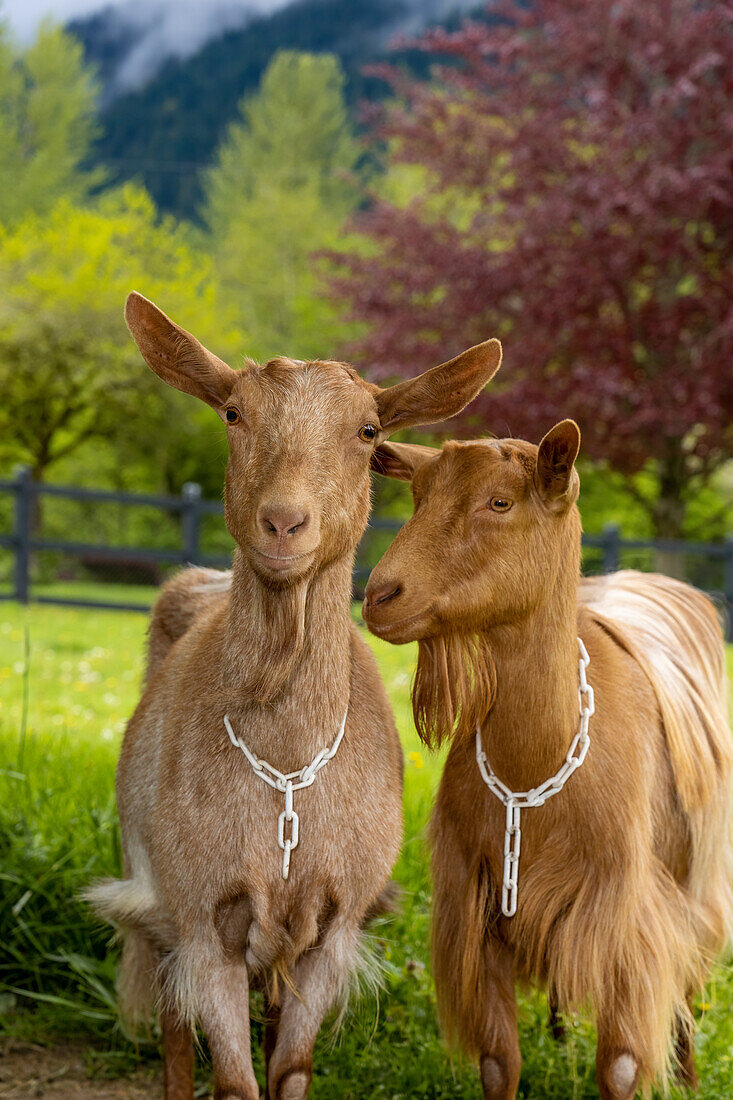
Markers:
624,885
209,907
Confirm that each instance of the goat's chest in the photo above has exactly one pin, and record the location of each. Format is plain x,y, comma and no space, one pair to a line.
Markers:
228,831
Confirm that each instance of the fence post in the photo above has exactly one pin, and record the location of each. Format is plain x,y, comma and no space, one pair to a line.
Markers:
22,533
728,584
190,522
610,548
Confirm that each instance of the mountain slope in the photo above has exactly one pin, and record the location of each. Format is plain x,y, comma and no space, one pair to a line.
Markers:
166,131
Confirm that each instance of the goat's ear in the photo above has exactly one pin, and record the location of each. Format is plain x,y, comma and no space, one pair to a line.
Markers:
400,460
557,478
441,392
175,355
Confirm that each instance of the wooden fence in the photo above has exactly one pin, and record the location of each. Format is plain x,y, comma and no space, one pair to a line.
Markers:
191,509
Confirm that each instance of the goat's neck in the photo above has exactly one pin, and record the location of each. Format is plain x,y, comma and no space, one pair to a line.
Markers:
287,660
535,714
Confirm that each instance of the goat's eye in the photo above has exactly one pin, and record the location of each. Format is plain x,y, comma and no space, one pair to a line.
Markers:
232,416
367,432
500,504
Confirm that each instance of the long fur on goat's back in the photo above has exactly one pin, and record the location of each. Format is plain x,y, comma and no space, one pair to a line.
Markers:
674,633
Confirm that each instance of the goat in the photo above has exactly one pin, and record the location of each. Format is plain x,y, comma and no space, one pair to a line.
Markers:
622,896
238,873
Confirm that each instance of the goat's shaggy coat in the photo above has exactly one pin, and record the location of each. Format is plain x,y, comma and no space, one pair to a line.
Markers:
625,876
204,909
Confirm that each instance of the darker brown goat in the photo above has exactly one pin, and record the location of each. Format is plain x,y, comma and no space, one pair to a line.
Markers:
218,895
624,886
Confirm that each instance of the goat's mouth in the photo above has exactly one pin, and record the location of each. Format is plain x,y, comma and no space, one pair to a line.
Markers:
406,629
282,565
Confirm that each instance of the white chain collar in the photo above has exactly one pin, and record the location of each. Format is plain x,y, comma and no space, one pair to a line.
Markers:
287,783
516,801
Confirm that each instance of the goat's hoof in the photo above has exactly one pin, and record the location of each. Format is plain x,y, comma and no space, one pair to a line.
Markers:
295,1086
493,1078
620,1077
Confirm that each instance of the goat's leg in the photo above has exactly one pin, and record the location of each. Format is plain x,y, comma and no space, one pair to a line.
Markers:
269,1040
485,1017
223,1010
555,1023
178,1057
473,970
617,1067
319,979
684,1048
137,986
494,1022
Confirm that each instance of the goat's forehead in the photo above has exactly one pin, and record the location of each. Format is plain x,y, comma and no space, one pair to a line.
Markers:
303,391
471,463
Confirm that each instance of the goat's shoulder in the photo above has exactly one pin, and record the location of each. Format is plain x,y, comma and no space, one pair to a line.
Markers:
619,681
189,595
185,596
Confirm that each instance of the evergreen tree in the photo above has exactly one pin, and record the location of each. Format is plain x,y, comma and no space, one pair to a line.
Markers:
280,191
47,124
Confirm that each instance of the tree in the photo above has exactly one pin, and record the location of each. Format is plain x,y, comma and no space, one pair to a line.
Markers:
69,372
577,197
47,124
281,190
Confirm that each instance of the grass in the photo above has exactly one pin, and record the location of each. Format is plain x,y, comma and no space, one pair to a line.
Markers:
68,681
95,591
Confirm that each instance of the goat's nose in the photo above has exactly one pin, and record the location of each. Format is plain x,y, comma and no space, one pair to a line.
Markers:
281,520
382,593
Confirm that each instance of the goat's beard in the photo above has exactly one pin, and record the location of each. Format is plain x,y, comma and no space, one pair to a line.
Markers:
280,638
454,686
268,641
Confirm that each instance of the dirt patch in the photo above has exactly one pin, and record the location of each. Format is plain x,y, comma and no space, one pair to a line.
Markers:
31,1072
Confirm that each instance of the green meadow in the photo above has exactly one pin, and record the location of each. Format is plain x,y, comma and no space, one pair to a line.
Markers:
68,681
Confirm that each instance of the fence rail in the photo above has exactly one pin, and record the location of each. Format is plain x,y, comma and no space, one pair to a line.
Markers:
191,507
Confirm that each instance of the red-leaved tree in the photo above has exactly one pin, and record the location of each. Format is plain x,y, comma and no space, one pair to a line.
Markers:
579,164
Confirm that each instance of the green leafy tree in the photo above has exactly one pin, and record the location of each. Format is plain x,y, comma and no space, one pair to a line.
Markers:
47,123
280,191
69,373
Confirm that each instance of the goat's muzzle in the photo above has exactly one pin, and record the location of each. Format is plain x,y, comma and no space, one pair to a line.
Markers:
286,538
390,613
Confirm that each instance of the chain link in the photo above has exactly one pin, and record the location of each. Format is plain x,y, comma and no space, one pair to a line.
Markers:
516,801
287,783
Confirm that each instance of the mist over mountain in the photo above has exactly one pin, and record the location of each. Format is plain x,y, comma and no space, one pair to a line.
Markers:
172,75
131,40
